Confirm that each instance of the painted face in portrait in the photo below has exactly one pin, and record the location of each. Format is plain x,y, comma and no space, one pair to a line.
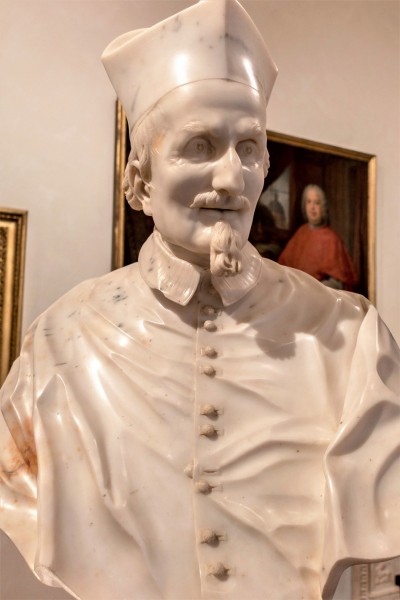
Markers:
313,207
208,166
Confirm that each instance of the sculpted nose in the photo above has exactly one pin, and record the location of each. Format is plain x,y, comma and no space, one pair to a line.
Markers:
228,174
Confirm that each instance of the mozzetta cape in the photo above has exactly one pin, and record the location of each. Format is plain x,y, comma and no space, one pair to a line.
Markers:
301,476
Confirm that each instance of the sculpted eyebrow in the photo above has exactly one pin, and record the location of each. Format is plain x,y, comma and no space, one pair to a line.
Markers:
256,129
196,127
199,127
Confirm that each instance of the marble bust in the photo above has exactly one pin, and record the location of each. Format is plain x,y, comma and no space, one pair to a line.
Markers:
205,423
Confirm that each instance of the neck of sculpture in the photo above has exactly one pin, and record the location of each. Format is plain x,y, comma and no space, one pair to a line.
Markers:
202,260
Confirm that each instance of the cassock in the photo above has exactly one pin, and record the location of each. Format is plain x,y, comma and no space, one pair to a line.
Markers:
320,252
171,435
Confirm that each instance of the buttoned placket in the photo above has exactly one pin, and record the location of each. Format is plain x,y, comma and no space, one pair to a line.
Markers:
208,430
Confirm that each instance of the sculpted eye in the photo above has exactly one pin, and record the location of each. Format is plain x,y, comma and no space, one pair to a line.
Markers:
248,152
199,149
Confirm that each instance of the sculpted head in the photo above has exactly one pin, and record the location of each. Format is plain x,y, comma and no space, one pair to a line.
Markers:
195,89
314,205
199,158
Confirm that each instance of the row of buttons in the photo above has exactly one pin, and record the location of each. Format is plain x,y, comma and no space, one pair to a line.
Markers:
209,536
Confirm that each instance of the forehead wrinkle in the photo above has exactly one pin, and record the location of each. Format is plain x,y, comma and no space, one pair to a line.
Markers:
243,126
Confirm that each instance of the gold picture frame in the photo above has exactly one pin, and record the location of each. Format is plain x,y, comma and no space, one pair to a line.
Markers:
119,202
346,175
13,224
326,161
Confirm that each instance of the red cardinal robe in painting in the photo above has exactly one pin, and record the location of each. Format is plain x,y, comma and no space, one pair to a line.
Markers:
320,252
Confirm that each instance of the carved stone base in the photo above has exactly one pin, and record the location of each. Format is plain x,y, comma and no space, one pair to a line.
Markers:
376,581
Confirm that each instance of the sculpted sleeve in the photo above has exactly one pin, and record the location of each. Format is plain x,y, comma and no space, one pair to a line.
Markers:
18,464
362,464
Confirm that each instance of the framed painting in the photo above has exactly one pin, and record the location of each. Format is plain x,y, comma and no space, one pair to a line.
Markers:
12,259
346,176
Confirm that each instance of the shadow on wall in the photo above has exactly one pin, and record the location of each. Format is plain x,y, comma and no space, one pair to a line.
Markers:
17,581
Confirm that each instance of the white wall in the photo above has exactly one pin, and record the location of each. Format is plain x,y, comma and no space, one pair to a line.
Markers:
338,84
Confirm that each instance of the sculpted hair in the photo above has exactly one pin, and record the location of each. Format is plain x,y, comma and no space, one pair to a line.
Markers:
322,197
142,138
225,252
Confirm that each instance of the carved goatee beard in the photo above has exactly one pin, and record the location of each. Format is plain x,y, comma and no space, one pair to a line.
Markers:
225,251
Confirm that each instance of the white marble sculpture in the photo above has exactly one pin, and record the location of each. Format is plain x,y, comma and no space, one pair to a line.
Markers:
203,424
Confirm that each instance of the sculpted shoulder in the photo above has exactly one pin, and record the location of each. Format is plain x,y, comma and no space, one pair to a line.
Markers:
291,301
110,288
103,297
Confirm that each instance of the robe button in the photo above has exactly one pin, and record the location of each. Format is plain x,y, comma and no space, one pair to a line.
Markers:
209,326
217,569
212,291
202,486
209,310
208,370
208,410
209,351
208,536
188,470
208,430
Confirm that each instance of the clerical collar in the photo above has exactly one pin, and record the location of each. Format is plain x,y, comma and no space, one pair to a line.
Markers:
178,279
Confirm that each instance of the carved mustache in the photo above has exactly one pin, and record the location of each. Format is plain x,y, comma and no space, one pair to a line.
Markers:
220,202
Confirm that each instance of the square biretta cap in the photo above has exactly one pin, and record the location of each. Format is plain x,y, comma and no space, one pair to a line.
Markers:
213,39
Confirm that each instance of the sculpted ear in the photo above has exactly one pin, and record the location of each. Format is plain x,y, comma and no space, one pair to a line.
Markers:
137,191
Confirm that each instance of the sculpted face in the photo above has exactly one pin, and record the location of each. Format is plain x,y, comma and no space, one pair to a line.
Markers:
211,153
313,207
